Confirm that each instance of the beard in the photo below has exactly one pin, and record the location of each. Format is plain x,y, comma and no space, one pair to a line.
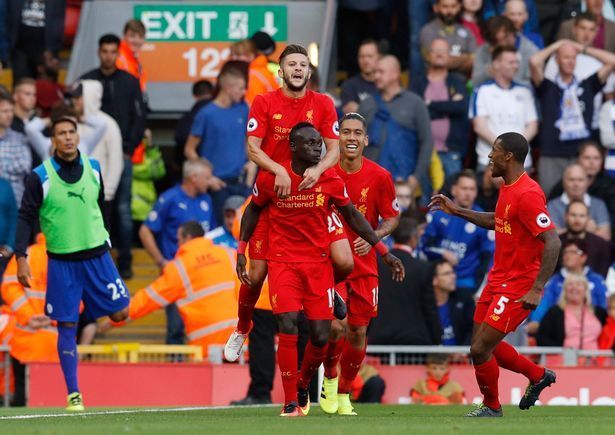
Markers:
448,19
292,87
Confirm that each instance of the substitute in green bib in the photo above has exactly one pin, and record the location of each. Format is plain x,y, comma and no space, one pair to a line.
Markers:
66,194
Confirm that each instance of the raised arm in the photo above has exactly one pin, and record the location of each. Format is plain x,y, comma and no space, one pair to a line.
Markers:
482,219
537,61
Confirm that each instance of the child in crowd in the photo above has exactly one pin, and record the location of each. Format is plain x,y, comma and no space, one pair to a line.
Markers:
437,389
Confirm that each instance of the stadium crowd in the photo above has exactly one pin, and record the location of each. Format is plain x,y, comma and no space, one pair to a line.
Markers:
476,69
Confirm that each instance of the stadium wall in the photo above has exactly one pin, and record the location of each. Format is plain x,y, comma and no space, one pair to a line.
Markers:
124,385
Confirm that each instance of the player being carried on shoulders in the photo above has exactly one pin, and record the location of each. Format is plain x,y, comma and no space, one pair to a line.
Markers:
371,189
272,116
300,269
526,251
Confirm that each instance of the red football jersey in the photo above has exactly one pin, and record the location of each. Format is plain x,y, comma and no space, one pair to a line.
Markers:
298,230
372,192
520,216
273,115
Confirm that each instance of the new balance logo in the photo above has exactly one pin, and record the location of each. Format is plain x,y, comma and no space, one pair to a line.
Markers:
77,195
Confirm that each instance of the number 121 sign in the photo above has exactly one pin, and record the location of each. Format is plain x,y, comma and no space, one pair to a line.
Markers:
187,42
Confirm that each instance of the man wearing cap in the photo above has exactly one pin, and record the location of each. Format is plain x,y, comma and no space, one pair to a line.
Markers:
223,235
66,194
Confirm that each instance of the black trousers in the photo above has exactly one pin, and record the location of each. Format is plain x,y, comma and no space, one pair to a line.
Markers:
262,354
19,373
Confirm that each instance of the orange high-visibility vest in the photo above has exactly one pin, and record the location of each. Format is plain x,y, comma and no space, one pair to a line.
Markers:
127,61
260,79
27,344
263,301
201,280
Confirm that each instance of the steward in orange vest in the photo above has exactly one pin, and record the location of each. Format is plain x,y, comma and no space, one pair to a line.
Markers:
201,280
128,55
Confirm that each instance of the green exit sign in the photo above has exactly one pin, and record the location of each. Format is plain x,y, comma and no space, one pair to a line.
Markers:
202,22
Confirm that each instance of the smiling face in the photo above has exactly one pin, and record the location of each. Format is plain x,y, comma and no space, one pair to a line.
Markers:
575,292
353,138
306,146
295,71
498,159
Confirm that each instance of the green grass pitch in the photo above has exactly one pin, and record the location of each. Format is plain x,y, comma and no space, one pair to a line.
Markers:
372,419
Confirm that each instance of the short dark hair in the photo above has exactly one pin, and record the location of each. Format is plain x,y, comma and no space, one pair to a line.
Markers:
500,50
292,49
6,97
108,38
370,41
494,25
24,81
136,26
295,130
438,263
585,16
516,144
354,115
591,144
580,244
202,88
466,173
405,230
61,120
576,201
192,229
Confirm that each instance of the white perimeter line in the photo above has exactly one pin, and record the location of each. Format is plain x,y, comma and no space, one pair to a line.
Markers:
126,411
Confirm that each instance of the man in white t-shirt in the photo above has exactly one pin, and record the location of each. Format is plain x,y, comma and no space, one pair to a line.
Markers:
502,105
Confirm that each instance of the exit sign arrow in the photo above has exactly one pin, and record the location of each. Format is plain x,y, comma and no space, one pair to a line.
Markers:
269,26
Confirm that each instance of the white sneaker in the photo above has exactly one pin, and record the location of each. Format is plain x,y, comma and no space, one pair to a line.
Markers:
233,346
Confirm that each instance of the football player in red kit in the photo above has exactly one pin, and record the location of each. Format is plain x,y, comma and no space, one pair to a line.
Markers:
371,189
526,251
300,271
272,116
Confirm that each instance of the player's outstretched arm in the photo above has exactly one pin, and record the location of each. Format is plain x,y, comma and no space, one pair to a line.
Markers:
547,266
359,225
248,224
263,161
482,219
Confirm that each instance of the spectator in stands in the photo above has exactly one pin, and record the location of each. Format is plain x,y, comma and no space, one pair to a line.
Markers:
575,185
8,223
500,32
446,97
129,51
488,190
607,134
502,105
516,11
607,336
577,224
201,281
202,92
574,322
24,97
34,338
563,131
15,155
472,18
456,311
123,101
358,87
498,7
185,202
398,127
447,25
591,158
574,262
605,33
405,196
407,312
108,151
48,91
266,46
437,389
223,235
35,26
467,247
217,135
260,79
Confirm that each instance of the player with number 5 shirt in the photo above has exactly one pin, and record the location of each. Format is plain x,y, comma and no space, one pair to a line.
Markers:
526,251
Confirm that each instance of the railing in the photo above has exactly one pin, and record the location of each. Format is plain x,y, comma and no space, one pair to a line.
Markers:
139,353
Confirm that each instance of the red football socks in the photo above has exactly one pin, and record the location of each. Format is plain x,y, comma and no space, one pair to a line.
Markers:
487,377
245,307
312,359
508,358
351,363
334,352
287,361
